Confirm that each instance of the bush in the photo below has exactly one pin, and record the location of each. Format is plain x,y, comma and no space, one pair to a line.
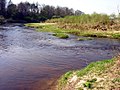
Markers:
2,19
61,35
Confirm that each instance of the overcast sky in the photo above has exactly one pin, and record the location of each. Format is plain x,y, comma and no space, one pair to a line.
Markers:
87,6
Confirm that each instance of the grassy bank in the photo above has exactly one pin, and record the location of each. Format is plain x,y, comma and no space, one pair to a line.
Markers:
49,27
63,33
101,75
88,22
94,25
90,25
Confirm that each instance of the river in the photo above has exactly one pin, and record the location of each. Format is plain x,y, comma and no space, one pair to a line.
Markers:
31,60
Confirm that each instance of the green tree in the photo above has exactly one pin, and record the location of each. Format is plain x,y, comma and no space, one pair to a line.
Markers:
2,7
11,10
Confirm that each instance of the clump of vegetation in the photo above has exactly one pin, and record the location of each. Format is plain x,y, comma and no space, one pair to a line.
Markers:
117,35
116,80
2,19
61,35
89,83
101,75
63,80
83,39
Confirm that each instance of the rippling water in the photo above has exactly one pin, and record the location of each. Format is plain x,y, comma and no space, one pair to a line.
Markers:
31,60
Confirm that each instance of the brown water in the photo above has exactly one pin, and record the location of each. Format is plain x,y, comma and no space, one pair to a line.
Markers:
31,60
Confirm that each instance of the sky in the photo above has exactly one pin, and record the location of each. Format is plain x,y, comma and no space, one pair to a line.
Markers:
87,6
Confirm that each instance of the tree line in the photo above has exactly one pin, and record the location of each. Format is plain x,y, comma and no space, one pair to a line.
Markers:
33,12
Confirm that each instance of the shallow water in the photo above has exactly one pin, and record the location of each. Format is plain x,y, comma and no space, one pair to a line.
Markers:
31,60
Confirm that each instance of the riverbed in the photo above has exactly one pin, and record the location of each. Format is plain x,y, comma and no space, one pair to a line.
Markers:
31,60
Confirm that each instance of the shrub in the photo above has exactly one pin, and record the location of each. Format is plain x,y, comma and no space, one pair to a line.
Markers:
2,19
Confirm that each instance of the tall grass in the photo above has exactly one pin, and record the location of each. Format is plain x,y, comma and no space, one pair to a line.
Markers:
84,19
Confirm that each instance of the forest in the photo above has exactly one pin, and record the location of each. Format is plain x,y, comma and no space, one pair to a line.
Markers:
32,12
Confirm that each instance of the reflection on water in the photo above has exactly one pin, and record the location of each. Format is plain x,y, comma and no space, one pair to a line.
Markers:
31,60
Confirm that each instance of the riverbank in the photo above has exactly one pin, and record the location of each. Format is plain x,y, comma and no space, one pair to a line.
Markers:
101,75
63,33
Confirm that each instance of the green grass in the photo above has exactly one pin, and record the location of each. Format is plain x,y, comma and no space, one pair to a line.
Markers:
42,27
63,81
81,39
116,80
84,39
61,35
90,83
117,35
94,67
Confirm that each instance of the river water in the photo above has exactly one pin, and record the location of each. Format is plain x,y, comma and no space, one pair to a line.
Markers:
31,60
